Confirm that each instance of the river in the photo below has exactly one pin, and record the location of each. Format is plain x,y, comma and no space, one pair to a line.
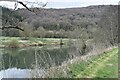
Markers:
17,62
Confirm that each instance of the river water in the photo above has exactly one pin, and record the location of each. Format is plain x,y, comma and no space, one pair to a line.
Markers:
17,63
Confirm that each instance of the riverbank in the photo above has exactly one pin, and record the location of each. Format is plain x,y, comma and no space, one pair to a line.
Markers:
103,65
20,42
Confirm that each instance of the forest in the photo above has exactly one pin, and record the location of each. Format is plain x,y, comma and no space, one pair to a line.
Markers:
55,23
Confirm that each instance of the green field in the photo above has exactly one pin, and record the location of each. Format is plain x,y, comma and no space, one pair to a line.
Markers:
102,66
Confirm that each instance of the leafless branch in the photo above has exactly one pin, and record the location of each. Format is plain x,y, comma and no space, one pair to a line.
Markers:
45,4
23,5
10,26
15,6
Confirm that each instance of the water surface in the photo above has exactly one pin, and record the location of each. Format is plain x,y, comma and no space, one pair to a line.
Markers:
21,60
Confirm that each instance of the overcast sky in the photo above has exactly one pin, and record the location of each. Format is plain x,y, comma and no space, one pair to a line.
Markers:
62,3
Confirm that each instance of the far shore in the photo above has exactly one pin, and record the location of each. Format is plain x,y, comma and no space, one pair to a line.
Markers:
17,42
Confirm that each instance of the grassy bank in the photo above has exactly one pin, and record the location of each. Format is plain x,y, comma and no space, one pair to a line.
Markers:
26,42
102,66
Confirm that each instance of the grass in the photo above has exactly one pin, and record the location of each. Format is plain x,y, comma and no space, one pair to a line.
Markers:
32,41
13,43
102,66
109,69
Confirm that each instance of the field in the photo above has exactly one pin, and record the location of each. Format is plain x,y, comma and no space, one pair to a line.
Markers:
102,66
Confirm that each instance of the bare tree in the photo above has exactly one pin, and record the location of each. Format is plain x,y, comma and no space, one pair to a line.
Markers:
24,4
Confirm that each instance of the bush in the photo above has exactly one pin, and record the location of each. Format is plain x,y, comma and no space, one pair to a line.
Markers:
13,43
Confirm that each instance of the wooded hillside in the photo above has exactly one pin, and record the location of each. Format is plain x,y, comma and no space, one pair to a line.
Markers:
89,21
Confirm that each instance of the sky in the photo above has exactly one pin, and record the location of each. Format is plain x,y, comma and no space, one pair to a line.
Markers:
60,3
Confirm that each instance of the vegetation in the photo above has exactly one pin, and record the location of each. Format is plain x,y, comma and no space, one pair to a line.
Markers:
86,30
102,66
20,42
63,23
13,43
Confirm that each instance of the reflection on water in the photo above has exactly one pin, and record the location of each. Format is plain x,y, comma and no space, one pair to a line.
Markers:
17,63
15,73
25,58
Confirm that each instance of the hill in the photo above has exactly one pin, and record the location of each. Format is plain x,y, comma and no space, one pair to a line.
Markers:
88,21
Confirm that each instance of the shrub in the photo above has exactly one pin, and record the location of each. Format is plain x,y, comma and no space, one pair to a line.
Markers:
13,43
